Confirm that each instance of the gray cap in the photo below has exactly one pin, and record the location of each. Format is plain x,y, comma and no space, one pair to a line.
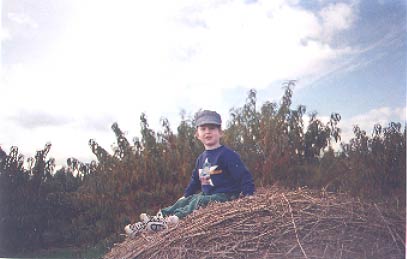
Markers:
207,117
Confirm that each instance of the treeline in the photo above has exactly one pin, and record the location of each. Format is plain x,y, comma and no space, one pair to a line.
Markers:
86,203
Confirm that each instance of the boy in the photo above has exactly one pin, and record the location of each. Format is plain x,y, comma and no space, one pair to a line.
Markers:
219,174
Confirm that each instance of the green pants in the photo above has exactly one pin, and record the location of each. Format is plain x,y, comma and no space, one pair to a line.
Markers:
187,205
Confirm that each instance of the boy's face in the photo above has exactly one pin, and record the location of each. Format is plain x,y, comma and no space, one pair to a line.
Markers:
209,135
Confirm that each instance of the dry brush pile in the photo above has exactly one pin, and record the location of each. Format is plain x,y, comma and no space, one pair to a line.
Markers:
277,223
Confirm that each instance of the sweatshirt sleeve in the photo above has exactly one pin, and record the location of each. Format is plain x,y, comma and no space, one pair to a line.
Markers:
241,174
194,184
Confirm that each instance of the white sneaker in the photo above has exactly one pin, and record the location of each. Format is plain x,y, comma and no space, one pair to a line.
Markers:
159,215
172,220
157,222
156,226
144,218
133,229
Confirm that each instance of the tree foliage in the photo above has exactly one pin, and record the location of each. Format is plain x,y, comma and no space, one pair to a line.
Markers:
83,203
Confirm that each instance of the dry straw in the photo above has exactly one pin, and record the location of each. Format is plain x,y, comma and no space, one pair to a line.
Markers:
277,223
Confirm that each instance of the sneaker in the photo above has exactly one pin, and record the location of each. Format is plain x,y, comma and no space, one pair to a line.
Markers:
133,229
157,223
159,215
145,218
156,226
172,220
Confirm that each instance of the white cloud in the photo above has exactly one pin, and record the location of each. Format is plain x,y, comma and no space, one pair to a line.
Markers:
366,121
117,59
401,113
22,19
337,17
4,34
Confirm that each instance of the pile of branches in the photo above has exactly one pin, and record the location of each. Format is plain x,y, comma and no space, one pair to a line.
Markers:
277,223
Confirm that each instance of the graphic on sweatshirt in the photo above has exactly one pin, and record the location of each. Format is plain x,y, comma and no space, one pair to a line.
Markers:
205,173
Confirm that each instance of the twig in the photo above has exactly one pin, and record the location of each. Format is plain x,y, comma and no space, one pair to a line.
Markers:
387,225
295,227
335,226
309,233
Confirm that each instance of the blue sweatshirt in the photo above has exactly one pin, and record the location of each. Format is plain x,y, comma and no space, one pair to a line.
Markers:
220,171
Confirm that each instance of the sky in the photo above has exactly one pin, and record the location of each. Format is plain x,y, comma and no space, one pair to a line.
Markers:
71,68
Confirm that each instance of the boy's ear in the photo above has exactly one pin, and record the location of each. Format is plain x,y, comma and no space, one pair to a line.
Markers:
220,132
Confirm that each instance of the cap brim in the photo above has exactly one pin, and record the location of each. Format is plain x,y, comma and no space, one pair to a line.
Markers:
208,122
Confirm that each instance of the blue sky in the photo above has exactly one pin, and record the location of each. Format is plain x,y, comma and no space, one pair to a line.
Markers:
379,78
71,68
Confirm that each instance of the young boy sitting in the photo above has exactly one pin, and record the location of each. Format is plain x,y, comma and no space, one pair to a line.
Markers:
219,174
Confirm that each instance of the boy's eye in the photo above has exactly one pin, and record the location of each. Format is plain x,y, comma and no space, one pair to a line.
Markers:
207,128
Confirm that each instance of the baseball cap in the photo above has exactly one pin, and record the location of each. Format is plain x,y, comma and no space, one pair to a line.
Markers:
207,117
